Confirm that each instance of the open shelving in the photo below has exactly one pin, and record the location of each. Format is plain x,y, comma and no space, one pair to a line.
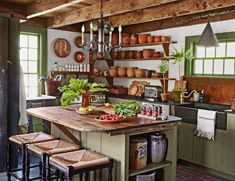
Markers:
150,167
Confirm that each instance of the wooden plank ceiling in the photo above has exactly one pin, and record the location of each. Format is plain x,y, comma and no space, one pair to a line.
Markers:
156,14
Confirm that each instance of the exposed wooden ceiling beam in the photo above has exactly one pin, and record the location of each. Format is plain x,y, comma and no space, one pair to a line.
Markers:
112,7
181,8
187,20
42,7
15,10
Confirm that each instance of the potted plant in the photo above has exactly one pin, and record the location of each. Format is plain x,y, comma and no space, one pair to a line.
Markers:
77,88
182,55
163,68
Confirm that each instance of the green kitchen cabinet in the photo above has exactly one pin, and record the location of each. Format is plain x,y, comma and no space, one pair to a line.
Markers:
218,155
185,143
231,142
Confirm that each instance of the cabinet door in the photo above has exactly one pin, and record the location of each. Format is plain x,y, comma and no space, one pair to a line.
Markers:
231,151
211,153
185,141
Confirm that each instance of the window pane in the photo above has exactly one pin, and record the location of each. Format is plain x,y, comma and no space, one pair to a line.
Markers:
229,66
220,51
33,54
26,79
32,66
23,54
33,41
231,49
33,80
200,52
33,91
208,66
210,52
198,65
23,41
24,65
218,66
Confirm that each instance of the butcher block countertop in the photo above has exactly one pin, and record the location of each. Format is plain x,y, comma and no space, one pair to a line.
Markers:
69,118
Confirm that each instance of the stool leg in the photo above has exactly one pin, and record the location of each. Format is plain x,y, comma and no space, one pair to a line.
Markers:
81,176
87,176
9,163
48,166
27,165
69,178
110,170
24,162
43,159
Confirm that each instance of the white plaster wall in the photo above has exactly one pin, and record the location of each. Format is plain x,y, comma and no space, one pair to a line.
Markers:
52,35
177,34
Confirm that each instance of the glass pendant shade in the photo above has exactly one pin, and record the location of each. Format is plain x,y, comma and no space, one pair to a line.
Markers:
208,38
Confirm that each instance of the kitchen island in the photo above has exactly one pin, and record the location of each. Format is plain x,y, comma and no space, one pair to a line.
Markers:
112,139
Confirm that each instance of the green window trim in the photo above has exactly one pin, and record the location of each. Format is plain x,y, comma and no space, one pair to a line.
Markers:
42,64
191,41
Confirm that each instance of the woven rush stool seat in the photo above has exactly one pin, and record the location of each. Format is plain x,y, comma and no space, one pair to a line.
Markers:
31,138
22,141
81,161
45,149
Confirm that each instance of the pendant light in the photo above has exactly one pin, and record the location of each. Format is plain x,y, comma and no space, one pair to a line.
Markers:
208,38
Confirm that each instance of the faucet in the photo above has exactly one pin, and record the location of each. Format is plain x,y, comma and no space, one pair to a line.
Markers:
183,96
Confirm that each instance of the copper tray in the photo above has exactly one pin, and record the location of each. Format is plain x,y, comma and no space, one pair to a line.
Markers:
62,47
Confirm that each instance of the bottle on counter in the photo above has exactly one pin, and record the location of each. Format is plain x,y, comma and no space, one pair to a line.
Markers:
202,96
55,66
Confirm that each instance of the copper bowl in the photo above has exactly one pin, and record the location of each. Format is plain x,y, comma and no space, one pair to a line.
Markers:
157,38
138,54
164,38
142,38
125,38
148,53
79,57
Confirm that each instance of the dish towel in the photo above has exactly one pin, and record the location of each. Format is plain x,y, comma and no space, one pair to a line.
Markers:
206,124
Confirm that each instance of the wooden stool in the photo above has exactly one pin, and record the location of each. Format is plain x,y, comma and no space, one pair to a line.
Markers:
22,141
45,150
81,162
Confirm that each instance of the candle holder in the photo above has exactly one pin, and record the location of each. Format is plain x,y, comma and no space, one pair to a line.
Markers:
101,46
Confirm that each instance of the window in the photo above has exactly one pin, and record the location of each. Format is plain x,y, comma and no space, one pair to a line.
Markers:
213,61
29,59
33,58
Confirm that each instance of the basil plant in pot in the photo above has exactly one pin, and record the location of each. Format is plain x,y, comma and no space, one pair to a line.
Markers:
163,68
77,88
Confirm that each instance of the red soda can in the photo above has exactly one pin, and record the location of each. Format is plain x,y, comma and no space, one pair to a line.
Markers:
143,109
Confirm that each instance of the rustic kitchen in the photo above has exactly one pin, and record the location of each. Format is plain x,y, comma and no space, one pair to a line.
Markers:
117,90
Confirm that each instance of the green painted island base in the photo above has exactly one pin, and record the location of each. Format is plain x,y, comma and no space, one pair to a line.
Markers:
117,147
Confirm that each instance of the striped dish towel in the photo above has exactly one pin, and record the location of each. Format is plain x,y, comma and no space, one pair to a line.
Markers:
206,124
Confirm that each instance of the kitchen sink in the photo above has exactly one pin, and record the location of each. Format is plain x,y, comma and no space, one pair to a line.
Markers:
188,113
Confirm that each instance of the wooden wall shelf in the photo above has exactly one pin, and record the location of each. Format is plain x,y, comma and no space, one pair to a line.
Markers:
150,167
150,44
70,72
153,78
134,59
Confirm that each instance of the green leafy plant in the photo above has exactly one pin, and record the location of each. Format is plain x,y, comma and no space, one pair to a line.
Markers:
76,88
163,68
127,109
182,55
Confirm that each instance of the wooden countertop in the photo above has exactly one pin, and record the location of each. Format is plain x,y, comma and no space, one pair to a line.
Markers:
69,118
